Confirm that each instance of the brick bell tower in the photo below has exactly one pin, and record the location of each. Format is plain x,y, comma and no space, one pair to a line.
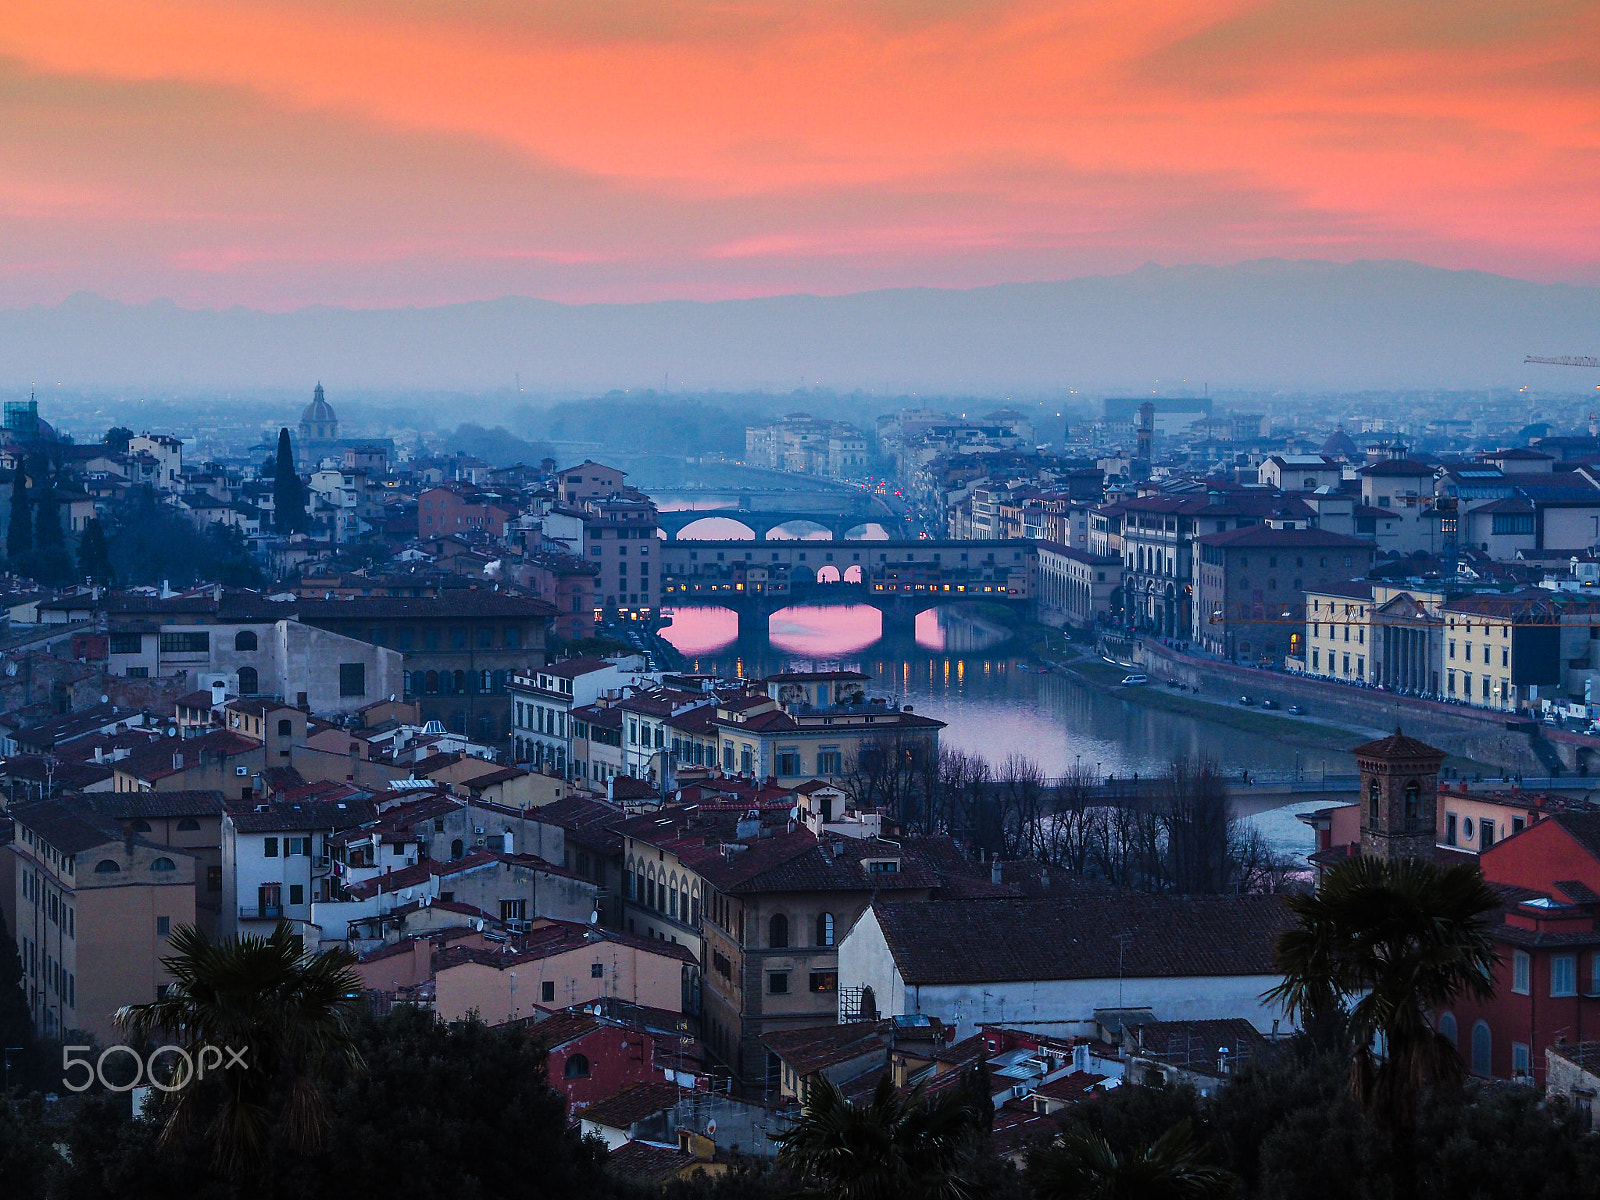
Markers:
1399,796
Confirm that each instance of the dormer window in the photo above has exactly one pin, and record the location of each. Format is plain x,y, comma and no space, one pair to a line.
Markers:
882,866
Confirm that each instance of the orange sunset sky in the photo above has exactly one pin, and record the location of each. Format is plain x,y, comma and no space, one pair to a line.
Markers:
276,153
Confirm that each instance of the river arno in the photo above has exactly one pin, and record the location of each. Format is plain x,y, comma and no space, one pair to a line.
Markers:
957,670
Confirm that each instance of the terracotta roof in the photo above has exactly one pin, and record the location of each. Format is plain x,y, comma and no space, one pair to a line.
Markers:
560,1028
632,1105
282,817
1265,535
1398,745
193,802
646,1160
1071,1087
981,941
160,759
817,1047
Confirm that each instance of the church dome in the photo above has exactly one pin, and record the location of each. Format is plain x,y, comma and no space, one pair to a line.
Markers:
1340,445
318,422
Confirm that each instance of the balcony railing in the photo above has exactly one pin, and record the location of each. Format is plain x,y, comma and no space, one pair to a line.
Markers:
260,912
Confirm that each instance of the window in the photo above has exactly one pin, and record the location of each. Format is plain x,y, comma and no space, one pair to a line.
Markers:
297,846
1449,829
1447,1027
1520,1064
1485,834
244,640
249,681
125,643
513,910
186,643
163,864
1564,975
213,879
597,970
788,762
1413,802
352,679
1482,1059
829,761
286,728
825,929
269,847
824,981
777,983
163,926
778,932
1520,964
297,893
577,1066
547,991
188,825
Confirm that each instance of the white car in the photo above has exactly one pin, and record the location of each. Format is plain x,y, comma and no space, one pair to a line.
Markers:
1135,680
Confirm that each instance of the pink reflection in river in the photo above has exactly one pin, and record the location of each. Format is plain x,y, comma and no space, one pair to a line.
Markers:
930,634
825,631
698,631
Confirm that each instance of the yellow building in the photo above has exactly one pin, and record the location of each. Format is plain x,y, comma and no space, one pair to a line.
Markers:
94,908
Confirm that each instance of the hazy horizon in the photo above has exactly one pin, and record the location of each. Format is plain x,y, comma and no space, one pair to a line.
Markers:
1259,325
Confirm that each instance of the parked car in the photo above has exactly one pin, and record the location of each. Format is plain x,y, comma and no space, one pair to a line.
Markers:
1135,680
1296,711
1246,701
1269,703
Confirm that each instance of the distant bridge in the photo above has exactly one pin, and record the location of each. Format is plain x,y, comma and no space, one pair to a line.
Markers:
899,578
762,512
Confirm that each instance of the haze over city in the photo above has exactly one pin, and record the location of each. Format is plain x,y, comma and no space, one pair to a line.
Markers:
873,600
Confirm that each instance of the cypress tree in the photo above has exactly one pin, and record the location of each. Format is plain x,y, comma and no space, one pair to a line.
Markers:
288,497
47,514
19,529
94,558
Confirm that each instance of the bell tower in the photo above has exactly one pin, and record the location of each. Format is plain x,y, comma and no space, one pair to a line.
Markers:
1399,796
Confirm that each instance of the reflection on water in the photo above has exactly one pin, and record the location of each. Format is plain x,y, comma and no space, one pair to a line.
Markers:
955,670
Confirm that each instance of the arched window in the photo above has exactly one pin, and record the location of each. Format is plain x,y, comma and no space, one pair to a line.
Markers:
778,932
1482,1045
577,1067
141,826
286,728
106,866
461,681
249,681
1413,795
1447,1027
163,864
1372,802
430,683
825,929
869,1005
456,848
244,640
188,825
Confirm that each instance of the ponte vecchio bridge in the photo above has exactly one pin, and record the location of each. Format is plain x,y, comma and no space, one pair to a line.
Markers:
899,578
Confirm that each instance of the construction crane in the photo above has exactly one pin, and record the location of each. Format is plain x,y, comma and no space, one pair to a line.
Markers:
1563,360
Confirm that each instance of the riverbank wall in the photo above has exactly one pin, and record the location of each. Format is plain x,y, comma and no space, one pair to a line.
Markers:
1484,737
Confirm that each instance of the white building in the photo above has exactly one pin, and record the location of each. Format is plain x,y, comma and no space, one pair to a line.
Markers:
1050,966
543,699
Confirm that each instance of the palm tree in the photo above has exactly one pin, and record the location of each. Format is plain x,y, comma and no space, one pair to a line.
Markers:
1083,1166
890,1148
288,1012
1405,938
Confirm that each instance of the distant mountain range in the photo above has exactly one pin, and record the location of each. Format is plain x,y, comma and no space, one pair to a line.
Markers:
1266,324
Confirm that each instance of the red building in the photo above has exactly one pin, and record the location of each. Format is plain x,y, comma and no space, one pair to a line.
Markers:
462,509
568,583
1547,979
592,1058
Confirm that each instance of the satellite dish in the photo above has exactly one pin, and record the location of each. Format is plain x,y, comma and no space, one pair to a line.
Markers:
594,918
480,925
11,668
104,699
405,894
171,732
711,1128
426,901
